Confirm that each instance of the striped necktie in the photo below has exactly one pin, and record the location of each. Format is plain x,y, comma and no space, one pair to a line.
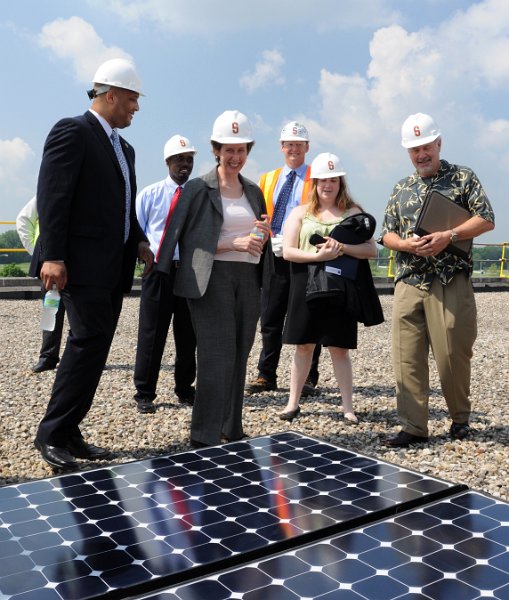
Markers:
281,203
125,172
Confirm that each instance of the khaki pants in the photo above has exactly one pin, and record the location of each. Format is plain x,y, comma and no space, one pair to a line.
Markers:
445,318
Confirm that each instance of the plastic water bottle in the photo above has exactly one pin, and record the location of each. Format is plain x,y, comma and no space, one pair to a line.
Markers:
255,232
50,305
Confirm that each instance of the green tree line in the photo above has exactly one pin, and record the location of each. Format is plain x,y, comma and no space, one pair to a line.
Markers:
10,239
486,258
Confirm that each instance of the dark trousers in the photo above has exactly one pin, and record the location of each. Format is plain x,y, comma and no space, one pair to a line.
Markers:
225,321
274,304
157,306
93,315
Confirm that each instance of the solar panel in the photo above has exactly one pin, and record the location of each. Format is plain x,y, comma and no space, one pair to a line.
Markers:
136,527
457,548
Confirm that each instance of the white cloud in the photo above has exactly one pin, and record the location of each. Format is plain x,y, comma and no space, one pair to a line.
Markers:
495,134
16,176
199,16
260,126
267,72
76,40
493,140
349,124
440,71
478,42
14,156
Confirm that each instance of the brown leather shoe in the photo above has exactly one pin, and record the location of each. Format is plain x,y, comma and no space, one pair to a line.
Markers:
260,384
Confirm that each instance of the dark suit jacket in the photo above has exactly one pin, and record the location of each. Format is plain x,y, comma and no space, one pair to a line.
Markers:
81,206
196,225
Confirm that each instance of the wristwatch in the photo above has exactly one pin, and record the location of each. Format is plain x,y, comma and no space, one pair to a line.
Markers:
454,236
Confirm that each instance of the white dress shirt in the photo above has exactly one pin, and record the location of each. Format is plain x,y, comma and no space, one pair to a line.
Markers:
152,206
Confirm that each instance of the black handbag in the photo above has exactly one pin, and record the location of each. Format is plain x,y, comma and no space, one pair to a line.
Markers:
338,283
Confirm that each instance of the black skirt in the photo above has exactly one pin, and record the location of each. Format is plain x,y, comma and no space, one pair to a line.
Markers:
304,325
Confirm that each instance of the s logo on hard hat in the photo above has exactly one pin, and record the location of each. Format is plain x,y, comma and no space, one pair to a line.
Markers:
232,127
419,129
182,143
326,165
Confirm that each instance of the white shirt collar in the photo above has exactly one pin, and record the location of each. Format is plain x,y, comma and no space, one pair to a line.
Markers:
105,125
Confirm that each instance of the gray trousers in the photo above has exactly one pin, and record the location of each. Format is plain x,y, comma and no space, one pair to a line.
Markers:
224,320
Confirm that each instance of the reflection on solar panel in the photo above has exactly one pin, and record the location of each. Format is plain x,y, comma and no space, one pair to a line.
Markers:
144,526
455,548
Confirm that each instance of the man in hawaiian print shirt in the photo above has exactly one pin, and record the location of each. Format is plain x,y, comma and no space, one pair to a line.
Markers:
433,299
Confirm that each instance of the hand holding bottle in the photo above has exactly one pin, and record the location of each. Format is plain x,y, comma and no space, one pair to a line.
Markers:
50,305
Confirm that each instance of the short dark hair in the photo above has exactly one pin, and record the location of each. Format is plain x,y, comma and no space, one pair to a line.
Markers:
216,146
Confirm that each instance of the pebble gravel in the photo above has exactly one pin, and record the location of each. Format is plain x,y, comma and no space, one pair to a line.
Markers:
480,461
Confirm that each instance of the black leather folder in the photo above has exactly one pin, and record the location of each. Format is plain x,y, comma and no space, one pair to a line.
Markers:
439,213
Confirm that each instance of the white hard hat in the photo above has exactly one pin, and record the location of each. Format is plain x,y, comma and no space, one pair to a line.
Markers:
117,72
232,127
417,130
294,132
177,144
325,166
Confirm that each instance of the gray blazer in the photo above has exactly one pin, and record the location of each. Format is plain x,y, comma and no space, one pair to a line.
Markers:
196,225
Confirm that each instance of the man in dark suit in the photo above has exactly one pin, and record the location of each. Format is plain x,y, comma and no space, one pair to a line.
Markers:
88,243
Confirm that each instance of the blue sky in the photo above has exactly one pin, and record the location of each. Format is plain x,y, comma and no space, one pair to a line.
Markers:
351,70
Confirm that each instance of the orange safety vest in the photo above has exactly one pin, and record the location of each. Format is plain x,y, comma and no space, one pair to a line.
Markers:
268,182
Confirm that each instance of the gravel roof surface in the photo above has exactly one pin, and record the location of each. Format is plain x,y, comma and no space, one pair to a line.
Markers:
481,461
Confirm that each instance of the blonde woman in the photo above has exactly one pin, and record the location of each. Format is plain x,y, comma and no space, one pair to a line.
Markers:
329,204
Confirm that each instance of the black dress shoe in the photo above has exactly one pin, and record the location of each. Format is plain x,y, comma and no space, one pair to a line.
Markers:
459,431
145,406
80,449
309,388
197,444
58,458
44,364
290,415
404,439
187,398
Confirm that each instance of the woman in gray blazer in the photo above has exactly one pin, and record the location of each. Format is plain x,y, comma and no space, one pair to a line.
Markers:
222,231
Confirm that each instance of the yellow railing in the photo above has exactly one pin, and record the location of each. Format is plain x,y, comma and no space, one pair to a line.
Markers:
503,260
390,267
10,249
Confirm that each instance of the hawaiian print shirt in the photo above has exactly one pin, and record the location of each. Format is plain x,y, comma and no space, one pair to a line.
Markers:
457,183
